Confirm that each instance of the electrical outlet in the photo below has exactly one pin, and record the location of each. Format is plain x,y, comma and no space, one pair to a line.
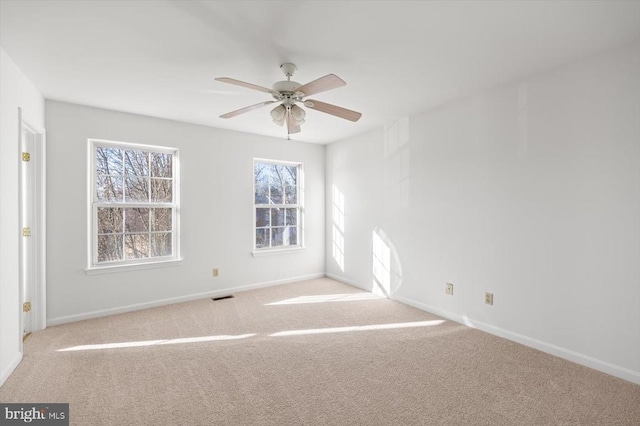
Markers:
488,298
449,289
216,271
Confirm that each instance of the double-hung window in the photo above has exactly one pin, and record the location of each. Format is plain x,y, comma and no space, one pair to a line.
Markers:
133,204
277,205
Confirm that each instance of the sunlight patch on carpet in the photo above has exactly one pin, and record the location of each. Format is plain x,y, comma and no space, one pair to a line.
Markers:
358,328
156,342
322,298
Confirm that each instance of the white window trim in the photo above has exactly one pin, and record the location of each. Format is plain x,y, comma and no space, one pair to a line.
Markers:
93,267
96,270
276,251
279,250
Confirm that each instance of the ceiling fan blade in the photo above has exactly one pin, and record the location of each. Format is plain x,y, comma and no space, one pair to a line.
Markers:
245,109
291,128
328,82
243,84
347,114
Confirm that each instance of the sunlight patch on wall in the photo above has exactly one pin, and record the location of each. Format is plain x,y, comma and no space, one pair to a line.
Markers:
381,257
386,267
338,227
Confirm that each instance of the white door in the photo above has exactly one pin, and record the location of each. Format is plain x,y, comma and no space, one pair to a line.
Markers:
27,213
32,206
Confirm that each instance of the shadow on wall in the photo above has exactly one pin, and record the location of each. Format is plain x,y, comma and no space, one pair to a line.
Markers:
386,266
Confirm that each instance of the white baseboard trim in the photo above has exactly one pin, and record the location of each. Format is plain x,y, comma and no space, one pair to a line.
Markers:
347,281
605,367
179,299
10,368
578,358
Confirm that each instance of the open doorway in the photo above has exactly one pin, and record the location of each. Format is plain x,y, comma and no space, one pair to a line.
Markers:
32,228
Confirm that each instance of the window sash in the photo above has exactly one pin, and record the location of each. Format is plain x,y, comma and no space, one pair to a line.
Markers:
96,204
124,233
298,206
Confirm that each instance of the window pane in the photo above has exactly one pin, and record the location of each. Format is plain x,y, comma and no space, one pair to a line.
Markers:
141,179
136,189
262,217
136,220
276,182
161,165
261,182
136,163
109,247
161,190
162,220
276,236
136,246
262,237
109,188
291,179
292,216
109,221
277,217
161,244
292,232
109,161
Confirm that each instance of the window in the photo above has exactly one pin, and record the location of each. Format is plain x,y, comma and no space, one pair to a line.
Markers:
277,204
133,204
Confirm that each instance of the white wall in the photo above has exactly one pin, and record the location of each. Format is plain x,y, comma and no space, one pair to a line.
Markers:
530,191
216,213
16,91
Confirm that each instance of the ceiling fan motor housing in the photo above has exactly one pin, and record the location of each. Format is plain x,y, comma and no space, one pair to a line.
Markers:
288,69
286,86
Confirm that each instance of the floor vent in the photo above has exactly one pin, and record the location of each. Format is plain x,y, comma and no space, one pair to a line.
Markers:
222,298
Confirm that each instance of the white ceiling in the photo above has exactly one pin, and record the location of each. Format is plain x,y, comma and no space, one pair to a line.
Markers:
159,58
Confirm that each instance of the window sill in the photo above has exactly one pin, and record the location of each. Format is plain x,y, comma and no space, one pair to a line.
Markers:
271,252
95,270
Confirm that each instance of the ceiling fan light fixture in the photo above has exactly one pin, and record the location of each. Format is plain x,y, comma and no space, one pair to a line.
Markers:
278,115
297,114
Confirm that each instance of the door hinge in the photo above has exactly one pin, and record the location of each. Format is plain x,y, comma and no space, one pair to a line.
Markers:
26,306
26,156
26,232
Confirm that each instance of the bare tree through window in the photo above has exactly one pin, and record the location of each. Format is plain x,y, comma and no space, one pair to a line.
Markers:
134,203
276,202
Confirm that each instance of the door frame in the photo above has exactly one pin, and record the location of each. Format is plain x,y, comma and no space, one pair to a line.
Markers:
38,294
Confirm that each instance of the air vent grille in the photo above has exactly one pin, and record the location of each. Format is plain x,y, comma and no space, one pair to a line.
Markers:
215,299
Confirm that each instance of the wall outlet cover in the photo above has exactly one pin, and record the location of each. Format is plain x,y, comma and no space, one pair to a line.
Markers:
449,289
488,298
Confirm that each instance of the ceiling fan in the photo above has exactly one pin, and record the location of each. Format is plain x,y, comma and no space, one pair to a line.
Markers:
288,93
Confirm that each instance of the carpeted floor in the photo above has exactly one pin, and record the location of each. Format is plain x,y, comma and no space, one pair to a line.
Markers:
311,353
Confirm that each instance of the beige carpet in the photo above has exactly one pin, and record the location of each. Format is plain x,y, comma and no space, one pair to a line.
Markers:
244,361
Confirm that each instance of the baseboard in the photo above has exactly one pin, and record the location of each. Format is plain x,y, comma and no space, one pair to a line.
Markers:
346,281
180,299
578,358
12,366
605,367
